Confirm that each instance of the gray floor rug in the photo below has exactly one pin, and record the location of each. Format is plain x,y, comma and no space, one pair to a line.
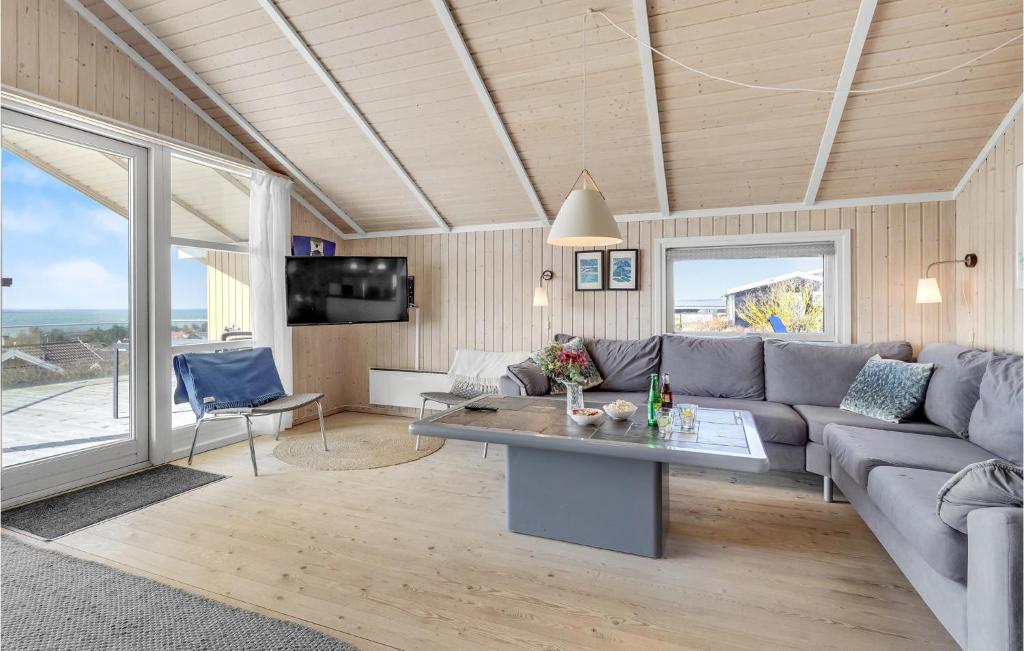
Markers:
63,514
53,601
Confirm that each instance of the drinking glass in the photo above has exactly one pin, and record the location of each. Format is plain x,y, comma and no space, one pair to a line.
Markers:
665,422
688,417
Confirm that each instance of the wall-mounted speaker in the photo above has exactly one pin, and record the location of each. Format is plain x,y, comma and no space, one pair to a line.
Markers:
410,286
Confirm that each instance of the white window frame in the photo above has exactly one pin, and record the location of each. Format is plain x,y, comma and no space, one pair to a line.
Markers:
836,291
47,475
215,434
165,443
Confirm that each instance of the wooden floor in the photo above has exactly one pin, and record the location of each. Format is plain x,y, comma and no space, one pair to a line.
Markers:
416,556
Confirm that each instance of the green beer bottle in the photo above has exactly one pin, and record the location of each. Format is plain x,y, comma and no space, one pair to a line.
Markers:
653,401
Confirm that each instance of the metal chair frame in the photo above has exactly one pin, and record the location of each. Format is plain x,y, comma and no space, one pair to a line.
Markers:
248,414
423,408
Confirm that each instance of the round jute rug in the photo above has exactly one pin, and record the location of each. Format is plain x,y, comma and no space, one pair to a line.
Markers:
356,442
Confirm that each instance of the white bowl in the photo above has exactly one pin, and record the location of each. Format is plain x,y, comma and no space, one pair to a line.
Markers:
615,414
581,419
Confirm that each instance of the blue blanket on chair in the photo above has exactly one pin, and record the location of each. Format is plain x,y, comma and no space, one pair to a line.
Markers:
227,380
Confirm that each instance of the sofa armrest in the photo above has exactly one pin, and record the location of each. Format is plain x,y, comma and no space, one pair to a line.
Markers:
509,387
994,540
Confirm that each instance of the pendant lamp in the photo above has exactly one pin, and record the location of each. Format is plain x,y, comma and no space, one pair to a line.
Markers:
584,218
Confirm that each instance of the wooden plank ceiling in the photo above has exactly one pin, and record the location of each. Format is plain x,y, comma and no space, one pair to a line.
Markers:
923,138
730,146
723,145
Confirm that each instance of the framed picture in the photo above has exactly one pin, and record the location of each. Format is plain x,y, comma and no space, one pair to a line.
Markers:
589,271
624,269
312,246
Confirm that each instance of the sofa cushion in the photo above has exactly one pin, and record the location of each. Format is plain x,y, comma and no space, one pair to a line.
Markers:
818,417
508,386
857,450
996,420
530,379
775,423
715,367
888,389
906,497
992,483
625,365
953,389
811,373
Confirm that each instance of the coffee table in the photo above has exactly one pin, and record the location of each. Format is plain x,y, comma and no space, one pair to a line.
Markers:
601,485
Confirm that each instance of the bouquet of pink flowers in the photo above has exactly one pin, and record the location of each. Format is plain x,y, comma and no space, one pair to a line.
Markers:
564,365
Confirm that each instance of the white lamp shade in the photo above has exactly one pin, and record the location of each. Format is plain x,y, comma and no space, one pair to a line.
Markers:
584,220
540,297
928,291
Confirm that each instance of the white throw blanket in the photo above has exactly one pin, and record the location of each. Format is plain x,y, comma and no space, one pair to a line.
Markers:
477,371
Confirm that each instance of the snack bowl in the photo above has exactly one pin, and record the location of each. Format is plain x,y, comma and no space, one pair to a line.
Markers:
585,415
620,410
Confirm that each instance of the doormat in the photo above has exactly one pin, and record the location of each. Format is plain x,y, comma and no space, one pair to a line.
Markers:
68,512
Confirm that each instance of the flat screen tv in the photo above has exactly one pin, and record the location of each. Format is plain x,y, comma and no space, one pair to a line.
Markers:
346,289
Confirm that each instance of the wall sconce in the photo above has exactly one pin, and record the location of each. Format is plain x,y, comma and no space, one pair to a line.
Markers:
540,293
540,299
928,288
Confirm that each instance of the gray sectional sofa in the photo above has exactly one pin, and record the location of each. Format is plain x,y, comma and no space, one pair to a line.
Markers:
890,472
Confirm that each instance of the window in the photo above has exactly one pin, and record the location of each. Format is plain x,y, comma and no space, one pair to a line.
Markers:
209,258
210,304
792,285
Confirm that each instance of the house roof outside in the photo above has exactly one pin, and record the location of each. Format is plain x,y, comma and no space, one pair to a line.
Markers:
28,359
58,356
811,276
700,304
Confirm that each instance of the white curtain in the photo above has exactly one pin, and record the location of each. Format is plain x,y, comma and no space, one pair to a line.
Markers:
270,221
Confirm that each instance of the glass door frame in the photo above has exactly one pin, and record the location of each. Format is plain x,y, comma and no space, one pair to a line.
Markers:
50,475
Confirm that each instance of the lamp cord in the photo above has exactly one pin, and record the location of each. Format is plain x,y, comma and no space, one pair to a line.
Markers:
583,102
795,89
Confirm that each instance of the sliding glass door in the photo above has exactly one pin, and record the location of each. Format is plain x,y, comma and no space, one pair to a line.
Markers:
75,389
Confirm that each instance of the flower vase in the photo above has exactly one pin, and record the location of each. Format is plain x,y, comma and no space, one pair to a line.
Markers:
573,397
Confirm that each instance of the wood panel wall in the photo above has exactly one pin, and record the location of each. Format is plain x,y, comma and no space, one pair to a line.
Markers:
475,290
47,49
990,309
227,293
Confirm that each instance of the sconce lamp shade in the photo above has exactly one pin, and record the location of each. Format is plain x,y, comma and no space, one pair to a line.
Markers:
584,220
928,291
540,297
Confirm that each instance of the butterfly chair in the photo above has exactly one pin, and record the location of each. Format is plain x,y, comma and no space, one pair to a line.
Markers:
237,384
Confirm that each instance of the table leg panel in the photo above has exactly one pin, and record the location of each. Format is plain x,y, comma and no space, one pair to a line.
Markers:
599,501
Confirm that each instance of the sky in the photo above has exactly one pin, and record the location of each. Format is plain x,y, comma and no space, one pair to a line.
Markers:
66,251
695,279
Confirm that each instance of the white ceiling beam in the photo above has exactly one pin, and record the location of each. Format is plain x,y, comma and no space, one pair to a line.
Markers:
643,32
455,36
339,94
182,67
141,61
989,146
858,36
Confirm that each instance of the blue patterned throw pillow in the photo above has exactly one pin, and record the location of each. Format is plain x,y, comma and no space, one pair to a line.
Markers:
888,389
